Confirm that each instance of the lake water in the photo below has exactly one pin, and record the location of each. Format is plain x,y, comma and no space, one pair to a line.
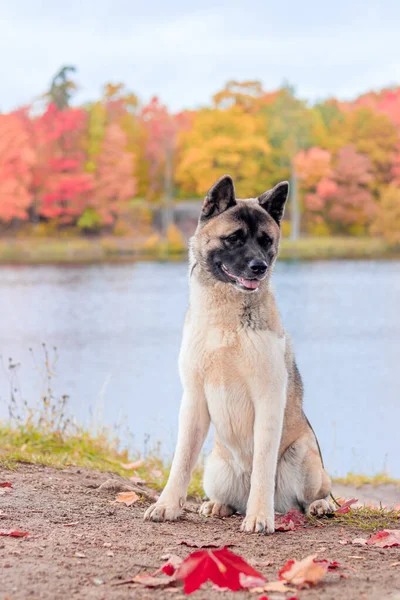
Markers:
117,329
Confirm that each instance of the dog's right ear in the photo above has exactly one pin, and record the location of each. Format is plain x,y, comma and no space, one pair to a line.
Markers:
219,198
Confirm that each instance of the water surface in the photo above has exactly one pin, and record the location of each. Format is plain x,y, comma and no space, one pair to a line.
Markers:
118,328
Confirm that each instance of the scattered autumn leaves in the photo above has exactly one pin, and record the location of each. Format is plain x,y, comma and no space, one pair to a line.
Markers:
229,571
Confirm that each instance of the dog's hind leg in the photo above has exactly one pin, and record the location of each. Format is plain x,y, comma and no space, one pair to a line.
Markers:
302,481
225,484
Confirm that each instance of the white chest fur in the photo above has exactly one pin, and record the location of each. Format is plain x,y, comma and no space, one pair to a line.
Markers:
239,368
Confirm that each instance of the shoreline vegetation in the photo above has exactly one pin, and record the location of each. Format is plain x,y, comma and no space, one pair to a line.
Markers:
32,445
90,250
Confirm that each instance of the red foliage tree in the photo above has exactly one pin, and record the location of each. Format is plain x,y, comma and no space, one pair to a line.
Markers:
16,162
61,187
161,128
343,199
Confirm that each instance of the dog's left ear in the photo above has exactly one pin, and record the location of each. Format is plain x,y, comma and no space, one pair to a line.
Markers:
219,198
273,201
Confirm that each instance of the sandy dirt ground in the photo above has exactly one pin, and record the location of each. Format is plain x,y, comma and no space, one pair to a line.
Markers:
81,544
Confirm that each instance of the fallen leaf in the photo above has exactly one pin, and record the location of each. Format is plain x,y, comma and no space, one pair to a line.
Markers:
385,538
345,507
14,533
395,564
274,586
248,581
303,573
294,519
79,555
127,498
6,484
222,567
133,465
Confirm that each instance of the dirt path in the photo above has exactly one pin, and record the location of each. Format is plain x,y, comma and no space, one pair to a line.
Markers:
81,545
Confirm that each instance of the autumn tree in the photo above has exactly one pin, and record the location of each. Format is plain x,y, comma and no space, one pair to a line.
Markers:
343,199
60,184
224,141
312,167
245,95
114,184
17,158
387,219
96,127
62,87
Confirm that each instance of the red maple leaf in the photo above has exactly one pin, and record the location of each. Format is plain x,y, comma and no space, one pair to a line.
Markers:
385,538
14,533
5,484
222,567
345,507
294,519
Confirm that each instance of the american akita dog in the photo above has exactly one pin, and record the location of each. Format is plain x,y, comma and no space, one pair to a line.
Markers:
238,371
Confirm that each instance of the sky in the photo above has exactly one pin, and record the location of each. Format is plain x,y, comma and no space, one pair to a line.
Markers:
185,51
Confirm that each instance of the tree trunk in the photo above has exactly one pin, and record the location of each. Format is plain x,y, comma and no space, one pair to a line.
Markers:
294,205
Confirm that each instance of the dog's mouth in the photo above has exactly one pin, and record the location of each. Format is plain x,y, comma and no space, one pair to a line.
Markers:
247,284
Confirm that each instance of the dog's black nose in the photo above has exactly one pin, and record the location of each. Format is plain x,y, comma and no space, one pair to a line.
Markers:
258,267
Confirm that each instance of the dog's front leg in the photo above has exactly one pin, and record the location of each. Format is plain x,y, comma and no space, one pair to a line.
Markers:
194,422
268,422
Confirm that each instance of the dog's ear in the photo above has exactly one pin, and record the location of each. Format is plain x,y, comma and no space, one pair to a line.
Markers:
273,201
219,198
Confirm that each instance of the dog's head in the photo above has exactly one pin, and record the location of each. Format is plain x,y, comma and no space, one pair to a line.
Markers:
236,241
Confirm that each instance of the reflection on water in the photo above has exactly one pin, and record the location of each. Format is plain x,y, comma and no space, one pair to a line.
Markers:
118,328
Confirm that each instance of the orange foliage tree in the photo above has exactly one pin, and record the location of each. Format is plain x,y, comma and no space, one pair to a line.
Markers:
114,184
17,158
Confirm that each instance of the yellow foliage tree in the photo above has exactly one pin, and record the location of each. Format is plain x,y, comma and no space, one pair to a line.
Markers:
387,218
372,134
224,141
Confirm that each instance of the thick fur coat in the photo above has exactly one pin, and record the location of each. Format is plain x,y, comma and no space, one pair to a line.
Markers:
239,373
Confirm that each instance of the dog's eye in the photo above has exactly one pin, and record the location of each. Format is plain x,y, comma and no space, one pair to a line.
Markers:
264,240
234,237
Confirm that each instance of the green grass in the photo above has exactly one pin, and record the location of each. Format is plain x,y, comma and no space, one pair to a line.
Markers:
365,517
119,249
28,444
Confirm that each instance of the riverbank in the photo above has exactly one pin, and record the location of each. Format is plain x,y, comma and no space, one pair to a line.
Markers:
120,249
61,493
80,542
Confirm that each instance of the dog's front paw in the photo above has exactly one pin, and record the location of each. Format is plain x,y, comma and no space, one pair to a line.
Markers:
215,509
161,511
318,508
258,524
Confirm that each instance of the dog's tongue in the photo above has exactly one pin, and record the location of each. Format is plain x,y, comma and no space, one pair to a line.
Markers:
251,284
